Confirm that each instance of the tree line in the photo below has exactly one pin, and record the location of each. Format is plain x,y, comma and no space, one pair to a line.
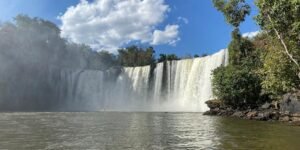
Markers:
267,66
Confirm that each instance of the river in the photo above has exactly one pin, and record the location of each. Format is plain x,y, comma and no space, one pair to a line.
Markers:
138,131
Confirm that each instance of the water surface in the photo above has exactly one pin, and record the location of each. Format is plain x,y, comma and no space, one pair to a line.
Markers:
113,130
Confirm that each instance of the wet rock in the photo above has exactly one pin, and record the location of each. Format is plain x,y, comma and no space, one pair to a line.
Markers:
210,113
207,113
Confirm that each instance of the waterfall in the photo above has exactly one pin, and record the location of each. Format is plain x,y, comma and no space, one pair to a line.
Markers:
182,85
190,81
158,80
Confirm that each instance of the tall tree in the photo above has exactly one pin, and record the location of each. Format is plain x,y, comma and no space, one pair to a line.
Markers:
237,84
281,19
234,11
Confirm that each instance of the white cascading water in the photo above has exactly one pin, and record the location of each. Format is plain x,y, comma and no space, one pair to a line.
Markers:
158,81
182,85
190,81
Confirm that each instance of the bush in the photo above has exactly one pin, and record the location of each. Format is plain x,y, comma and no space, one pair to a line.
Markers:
236,87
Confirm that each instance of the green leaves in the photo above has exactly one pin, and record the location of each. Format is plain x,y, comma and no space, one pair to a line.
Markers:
236,86
135,56
281,20
234,11
278,74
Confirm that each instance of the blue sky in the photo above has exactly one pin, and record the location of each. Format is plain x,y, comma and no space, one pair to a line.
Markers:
205,32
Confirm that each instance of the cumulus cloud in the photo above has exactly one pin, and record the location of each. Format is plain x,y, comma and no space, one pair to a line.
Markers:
110,24
169,35
251,34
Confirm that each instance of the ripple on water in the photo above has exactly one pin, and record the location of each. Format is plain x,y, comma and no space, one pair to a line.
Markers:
112,130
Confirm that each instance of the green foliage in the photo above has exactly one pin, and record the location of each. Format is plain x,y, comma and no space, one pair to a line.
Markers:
204,55
236,86
136,56
284,16
167,57
277,72
281,22
196,56
234,11
239,48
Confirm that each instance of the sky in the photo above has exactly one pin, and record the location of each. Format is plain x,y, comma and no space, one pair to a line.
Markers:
183,27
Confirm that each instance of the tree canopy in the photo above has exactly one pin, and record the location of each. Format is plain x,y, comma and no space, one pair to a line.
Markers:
234,11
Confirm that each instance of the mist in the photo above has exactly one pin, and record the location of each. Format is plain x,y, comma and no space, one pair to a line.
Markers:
32,59
40,71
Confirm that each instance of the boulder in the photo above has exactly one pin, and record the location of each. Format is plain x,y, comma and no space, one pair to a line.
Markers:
238,114
295,119
295,115
266,105
251,114
284,118
290,102
274,115
212,104
212,112
263,116
275,105
295,123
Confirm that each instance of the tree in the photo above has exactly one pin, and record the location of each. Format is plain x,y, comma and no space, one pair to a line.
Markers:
281,20
135,56
239,48
204,55
236,86
167,57
171,57
234,11
277,72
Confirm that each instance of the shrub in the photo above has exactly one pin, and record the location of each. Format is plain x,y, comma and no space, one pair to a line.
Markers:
236,87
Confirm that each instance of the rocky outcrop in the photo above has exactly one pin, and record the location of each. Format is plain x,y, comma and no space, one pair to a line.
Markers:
284,111
212,104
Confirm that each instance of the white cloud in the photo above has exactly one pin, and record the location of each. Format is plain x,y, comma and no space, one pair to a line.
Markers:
169,35
110,24
251,34
185,20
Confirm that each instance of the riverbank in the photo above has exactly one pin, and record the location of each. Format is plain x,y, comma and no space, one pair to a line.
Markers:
287,110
